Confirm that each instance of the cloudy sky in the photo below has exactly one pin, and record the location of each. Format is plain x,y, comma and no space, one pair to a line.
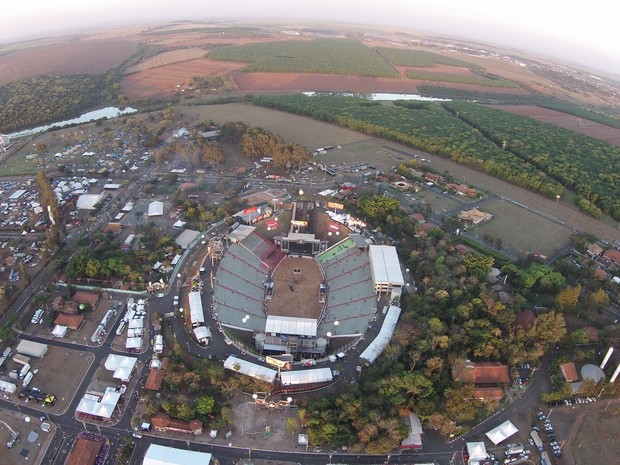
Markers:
584,33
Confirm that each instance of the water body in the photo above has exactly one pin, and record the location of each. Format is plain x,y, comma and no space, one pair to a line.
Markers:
107,112
382,96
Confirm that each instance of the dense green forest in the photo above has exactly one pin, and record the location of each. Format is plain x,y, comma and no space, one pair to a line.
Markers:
439,91
606,117
538,156
43,99
429,127
333,56
481,80
419,58
585,165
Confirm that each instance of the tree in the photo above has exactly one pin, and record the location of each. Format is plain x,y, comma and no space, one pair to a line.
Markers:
597,300
568,298
442,424
291,425
204,405
478,265
460,403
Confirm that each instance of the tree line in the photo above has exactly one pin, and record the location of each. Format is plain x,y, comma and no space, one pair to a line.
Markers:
431,128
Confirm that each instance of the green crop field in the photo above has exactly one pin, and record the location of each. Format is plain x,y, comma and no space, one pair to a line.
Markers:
331,56
488,81
419,58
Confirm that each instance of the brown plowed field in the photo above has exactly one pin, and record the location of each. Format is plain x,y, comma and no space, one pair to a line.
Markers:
83,57
564,120
161,82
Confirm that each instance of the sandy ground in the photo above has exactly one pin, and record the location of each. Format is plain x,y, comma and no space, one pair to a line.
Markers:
296,299
33,451
60,373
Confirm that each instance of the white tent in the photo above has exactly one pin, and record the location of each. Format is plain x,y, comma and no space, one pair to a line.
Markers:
121,365
60,331
378,345
477,452
502,432
156,208
88,201
162,455
291,325
133,343
100,407
319,375
196,313
250,369
202,333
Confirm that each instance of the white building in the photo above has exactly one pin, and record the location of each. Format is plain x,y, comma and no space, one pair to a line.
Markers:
387,276
162,455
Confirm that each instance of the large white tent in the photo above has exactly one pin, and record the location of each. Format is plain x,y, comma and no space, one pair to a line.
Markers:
250,369
202,334
477,452
291,325
162,455
319,375
156,208
378,345
102,407
121,365
502,432
196,313
133,343
60,331
88,201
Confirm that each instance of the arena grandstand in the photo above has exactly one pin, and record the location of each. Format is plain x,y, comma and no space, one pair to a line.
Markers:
306,300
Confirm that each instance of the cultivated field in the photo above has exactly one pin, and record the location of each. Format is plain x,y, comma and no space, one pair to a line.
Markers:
167,58
161,82
564,120
332,56
65,58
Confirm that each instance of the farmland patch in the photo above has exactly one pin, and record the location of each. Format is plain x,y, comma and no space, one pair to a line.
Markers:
331,56
81,57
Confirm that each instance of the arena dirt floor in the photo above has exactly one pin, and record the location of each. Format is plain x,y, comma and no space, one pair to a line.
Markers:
296,298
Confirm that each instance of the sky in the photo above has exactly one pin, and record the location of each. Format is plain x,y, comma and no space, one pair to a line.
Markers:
583,33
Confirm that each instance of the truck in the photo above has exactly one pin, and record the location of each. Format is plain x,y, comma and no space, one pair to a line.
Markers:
537,441
514,449
544,458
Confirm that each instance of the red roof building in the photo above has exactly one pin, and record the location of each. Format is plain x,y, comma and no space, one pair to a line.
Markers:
569,371
484,373
85,297
84,452
613,255
70,321
162,422
489,393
